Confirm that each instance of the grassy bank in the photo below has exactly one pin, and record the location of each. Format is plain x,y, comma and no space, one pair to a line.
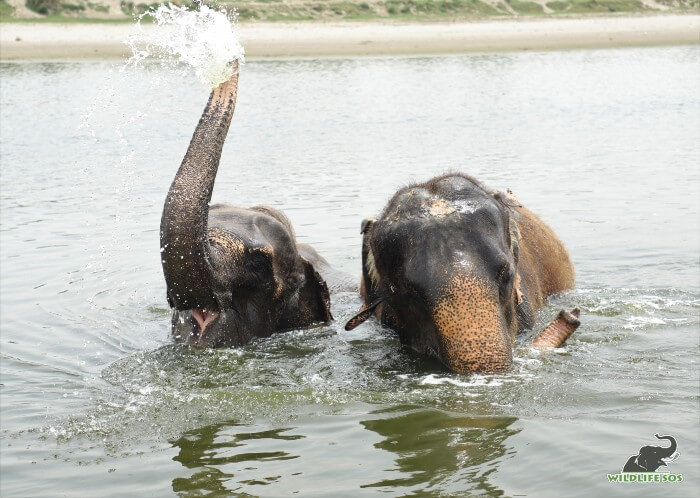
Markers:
408,10
320,10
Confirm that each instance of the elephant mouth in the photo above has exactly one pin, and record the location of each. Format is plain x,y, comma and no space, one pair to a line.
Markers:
204,319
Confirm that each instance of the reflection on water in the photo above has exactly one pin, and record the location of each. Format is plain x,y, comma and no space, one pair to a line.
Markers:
429,451
602,144
210,448
437,451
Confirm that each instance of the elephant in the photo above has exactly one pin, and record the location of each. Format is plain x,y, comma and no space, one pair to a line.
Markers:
234,273
458,270
651,458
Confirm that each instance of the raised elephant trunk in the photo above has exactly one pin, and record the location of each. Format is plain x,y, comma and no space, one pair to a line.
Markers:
186,254
671,449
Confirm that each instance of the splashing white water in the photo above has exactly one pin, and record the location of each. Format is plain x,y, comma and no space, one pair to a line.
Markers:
206,40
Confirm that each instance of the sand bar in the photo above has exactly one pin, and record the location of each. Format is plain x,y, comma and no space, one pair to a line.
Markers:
44,41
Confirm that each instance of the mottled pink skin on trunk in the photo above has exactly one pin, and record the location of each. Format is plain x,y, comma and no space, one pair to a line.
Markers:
557,332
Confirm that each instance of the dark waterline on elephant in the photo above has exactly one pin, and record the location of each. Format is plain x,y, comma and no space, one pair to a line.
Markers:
603,145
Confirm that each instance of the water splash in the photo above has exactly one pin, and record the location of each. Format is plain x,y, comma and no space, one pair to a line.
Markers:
205,39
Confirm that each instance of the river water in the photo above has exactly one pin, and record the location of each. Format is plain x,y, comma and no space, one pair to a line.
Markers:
97,401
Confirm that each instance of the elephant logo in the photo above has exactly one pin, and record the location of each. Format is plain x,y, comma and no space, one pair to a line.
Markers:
651,458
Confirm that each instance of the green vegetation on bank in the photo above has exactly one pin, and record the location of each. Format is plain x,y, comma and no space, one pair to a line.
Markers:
338,10
6,10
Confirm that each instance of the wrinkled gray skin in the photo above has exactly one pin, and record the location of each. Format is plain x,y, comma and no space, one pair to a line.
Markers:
234,273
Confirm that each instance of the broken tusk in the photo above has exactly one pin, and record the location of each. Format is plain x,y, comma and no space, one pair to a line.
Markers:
557,332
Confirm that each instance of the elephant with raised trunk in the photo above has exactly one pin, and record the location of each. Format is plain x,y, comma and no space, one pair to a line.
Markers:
651,458
458,269
233,273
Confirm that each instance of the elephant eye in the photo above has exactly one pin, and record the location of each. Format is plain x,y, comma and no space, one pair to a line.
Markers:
505,279
505,273
257,273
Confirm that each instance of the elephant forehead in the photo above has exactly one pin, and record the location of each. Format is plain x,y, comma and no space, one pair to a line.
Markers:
240,232
238,248
227,241
449,235
420,205
439,206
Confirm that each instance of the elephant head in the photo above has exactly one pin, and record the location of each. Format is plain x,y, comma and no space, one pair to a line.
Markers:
231,273
651,458
440,266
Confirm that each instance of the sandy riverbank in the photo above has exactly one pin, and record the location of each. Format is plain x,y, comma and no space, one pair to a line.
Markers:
43,41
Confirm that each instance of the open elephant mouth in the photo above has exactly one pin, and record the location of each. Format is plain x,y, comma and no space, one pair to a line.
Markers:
204,319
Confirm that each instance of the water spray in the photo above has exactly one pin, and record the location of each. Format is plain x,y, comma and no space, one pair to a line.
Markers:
205,39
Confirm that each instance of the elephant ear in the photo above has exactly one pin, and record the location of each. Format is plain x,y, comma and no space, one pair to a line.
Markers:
514,236
317,292
507,199
370,277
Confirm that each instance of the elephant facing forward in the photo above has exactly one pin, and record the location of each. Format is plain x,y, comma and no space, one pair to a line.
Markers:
458,269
